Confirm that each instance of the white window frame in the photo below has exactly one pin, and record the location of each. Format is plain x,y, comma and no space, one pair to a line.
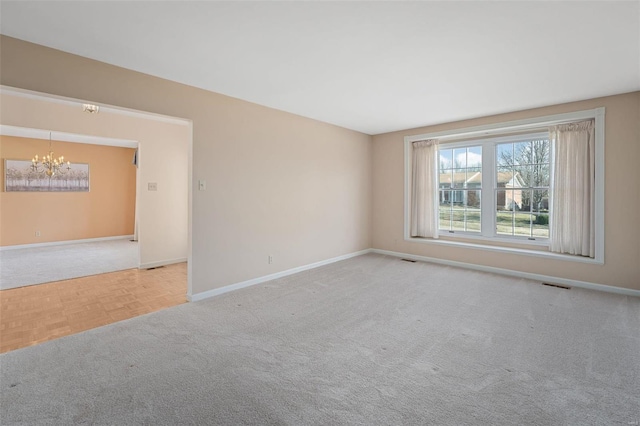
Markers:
491,135
465,234
488,201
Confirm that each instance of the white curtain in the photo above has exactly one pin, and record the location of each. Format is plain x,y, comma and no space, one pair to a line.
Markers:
572,195
424,185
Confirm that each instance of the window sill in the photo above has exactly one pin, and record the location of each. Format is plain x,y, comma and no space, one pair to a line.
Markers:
503,249
499,240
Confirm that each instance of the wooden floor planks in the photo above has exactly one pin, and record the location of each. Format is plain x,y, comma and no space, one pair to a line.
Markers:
34,314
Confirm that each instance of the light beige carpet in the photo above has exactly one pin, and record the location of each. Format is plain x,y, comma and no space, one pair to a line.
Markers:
37,265
370,340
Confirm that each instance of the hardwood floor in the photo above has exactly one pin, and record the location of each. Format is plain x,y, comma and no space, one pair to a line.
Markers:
35,314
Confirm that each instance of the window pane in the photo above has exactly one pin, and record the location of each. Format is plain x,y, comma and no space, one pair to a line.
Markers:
474,179
445,159
522,223
501,197
473,220
540,175
540,202
540,150
472,211
517,200
446,178
526,195
504,217
540,208
445,210
504,177
522,176
445,198
474,158
445,223
522,153
460,183
460,158
458,178
504,154
504,223
457,219
473,199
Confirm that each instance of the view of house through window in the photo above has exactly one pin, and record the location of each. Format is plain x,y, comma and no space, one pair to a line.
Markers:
519,168
460,188
522,193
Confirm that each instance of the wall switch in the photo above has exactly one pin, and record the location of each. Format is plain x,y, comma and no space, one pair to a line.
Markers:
152,186
202,185
37,233
270,260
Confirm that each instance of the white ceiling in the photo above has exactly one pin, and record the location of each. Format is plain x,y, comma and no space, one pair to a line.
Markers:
369,66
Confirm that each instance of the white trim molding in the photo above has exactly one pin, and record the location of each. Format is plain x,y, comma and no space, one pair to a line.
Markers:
104,108
61,243
159,263
509,272
492,131
26,132
506,249
237,286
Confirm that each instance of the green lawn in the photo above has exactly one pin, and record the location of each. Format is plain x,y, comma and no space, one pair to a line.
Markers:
507,223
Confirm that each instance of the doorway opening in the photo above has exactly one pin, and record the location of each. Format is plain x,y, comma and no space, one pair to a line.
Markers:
78,222
161,232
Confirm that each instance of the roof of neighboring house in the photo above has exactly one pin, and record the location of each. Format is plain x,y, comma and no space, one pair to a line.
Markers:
510,179
505,179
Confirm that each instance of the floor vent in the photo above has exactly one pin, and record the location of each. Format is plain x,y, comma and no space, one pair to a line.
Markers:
408,260
557,285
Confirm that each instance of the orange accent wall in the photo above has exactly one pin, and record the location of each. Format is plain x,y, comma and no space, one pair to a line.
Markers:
108,209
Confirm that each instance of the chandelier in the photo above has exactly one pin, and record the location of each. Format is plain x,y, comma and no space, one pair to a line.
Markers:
49,164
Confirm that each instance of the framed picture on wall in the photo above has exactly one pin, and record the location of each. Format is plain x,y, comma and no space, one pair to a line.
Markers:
19,177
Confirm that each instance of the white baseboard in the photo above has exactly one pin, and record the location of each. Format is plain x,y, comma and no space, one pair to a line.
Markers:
161,263
535,277
218,291
61,243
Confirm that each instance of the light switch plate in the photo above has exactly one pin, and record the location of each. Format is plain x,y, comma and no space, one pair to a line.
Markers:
202,185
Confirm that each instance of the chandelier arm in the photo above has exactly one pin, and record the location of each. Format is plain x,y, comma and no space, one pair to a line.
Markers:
50,165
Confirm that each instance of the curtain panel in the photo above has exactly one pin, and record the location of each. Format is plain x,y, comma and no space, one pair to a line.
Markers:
572,224
424,186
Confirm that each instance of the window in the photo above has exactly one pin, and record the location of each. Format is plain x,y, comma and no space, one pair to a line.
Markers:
522,188
494,187
460,189
516,194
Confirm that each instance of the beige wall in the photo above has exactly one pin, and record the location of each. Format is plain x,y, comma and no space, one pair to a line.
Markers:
106,210
622,198
304,191
162,214
277,184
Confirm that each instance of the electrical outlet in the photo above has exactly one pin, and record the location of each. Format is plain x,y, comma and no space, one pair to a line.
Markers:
152,186
270,259
37,233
